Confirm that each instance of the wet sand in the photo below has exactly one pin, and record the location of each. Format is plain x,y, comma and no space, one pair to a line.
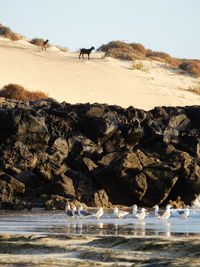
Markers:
72,250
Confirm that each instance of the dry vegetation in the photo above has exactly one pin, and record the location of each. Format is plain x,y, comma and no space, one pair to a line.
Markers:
62,48
121,50
133,51
17,92
195,89
6,32
140,66
38,42
191,67
163,57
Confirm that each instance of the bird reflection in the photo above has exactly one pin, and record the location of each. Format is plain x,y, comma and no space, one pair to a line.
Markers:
139,229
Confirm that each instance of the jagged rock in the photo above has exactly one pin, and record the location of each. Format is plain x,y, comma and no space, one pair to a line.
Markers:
6,195
61,185
97,154
101,199
29,179
16,185
32,131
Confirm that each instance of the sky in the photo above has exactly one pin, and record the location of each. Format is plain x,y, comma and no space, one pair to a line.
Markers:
170,26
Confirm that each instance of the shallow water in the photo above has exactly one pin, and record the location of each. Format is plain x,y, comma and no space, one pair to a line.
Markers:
50,238
56,222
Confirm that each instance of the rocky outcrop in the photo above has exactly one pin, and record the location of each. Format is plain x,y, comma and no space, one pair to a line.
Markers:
53,153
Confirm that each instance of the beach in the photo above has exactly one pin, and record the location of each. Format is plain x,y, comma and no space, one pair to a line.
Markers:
50,238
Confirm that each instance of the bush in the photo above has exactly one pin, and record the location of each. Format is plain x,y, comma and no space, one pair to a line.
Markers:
163,57
6,31
139,47
17,92
140,66
38,41
120,50
63,49
195,89
191,67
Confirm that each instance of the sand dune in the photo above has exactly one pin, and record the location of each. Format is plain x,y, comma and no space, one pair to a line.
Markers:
105,80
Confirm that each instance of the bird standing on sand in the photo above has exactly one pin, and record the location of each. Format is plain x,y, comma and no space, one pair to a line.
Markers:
120,213
166,213
141,215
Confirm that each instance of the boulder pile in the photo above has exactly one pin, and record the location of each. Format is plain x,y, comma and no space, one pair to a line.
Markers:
55,153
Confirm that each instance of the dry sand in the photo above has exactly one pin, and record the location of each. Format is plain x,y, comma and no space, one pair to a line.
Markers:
104,80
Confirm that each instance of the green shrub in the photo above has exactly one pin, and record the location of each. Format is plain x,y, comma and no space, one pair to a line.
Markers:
17,92
6,31
191,67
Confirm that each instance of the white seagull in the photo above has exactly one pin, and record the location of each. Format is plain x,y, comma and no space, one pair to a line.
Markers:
134,210
157,212
120,213
141,215
82,212
185,213
98,213
68,211
166,213
133,214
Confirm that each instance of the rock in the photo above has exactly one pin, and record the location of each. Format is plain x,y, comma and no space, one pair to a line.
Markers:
6,195
101,199
16,185
29,179
32,131
97,154
61,185
60,145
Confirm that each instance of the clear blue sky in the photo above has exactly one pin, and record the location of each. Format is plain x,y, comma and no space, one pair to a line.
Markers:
171,26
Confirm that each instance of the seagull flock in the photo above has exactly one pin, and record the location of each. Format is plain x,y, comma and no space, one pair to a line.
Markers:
119,214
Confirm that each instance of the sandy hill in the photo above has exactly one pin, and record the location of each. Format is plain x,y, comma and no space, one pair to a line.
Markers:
105,80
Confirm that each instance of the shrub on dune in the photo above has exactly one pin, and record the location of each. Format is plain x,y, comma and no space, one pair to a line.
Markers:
139,47
6,32
38,42
120,50
62,48
163,57
191,67
17,92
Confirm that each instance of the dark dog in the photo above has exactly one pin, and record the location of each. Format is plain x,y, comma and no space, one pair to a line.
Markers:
44,45
86,51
